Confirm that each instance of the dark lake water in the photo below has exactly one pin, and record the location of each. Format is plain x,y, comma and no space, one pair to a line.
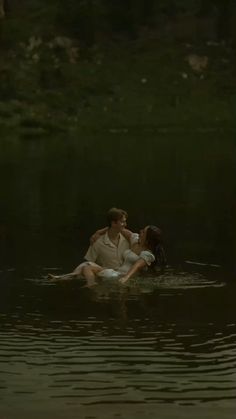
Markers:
163,347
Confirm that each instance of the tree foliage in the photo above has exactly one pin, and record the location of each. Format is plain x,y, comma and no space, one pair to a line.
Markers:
85,19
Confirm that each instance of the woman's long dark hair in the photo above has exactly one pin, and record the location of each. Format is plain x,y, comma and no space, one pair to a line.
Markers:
154,242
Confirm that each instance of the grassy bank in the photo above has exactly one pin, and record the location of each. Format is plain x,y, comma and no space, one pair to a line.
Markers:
53,84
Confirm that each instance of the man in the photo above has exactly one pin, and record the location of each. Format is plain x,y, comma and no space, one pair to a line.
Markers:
108,249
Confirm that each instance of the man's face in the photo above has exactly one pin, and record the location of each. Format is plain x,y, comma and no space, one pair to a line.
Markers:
120,224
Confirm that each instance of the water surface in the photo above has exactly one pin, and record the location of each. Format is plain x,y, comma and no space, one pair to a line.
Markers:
162,347
169,341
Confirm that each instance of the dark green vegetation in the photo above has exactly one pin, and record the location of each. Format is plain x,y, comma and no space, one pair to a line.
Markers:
87,64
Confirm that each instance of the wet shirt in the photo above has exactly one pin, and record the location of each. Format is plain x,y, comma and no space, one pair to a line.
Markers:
130,259
107,254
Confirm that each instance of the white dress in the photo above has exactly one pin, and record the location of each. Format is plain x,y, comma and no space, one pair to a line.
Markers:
130,258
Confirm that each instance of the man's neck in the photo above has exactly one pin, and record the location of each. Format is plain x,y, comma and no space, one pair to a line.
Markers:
113,234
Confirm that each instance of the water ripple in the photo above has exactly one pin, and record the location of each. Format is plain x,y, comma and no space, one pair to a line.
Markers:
66,347
119,369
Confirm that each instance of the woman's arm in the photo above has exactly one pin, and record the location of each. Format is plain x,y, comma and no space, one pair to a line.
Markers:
97,234
127,234
135,268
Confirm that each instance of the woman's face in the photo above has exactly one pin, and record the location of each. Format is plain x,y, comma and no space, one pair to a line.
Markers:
143,235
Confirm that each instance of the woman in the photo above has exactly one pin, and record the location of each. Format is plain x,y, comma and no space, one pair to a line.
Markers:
145,251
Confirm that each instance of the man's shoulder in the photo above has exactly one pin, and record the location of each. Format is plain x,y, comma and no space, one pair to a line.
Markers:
101,240
123,240
94,249
123,237
105,241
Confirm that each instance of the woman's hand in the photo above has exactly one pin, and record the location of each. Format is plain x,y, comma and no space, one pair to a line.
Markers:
139,264
97,234
94,238
124,279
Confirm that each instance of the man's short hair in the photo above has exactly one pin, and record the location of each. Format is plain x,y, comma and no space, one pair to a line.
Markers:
115,214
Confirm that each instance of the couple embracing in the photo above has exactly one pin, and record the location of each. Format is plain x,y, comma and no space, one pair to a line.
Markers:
116,252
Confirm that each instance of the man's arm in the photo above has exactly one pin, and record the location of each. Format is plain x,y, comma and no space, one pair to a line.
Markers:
91,254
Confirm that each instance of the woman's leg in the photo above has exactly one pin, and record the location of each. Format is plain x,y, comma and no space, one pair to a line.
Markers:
89,272
77,272
64,277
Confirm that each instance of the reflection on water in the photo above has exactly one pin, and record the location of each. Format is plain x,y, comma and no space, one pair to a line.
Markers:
169,342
